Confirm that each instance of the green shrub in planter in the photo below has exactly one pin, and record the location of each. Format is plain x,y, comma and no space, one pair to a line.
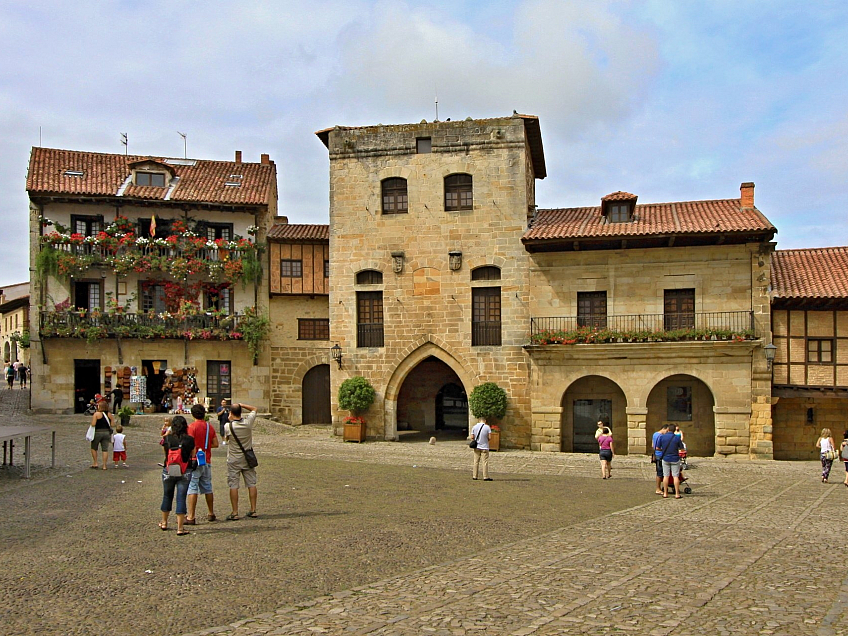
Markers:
487,400
125,413
356,394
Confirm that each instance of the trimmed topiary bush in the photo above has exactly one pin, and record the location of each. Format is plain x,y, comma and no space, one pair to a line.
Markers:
356,394
487,400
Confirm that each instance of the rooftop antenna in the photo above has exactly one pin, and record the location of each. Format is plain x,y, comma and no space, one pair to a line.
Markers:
39,136
125,141
184,135
437,106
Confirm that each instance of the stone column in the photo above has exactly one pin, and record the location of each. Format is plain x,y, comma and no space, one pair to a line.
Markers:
637,418
732,430
546,432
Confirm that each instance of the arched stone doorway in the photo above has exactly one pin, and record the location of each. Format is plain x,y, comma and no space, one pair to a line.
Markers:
315,395
432,398
7,352
686,401
587,401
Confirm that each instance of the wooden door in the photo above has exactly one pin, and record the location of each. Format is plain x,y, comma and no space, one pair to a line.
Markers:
316,395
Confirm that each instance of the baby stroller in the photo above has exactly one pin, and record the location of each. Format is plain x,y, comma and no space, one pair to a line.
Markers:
684,480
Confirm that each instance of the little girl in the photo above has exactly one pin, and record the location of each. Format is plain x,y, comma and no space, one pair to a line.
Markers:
119,446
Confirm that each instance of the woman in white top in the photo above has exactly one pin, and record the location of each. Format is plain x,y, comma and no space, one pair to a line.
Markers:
843,453
825,444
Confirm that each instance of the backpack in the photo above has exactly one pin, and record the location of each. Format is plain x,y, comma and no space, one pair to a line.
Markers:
174,465
845,453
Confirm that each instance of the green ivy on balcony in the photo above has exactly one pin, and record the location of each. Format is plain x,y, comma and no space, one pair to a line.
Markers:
182,254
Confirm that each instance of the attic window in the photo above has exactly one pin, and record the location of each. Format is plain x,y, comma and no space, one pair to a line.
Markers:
74,173
155,179
618,213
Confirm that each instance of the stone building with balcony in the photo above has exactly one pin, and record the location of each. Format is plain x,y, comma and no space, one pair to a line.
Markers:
147,267
443,275
810,329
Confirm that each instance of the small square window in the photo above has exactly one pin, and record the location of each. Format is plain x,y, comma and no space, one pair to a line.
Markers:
155,179
423,145
619,213
290,268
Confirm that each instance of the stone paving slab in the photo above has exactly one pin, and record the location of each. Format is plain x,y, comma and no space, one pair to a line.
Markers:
749,552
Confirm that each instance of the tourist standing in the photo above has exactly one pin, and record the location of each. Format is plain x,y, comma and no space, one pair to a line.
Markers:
102,434
177,439
10,375
240,439
119,446
481,432
606,452
669,445
827,450
657,456
223,413
205,439
117,398
22,375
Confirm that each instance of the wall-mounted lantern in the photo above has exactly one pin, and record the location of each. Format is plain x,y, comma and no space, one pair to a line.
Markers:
397,262
769,350
455,262
336,353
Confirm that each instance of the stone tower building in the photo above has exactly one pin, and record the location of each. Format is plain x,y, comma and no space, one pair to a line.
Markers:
430,280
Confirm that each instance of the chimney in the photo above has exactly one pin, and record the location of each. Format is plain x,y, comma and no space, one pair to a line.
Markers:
238,156
747,191
266,159
281,220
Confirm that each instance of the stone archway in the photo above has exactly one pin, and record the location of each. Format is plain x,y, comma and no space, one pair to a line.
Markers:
427,351
425,389
584,403
688,402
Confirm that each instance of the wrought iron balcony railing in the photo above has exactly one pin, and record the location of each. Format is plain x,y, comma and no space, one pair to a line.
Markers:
724,325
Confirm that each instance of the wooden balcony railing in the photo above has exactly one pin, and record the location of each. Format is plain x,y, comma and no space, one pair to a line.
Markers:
724,325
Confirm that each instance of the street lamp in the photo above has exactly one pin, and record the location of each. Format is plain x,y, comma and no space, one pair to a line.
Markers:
336,352
769,350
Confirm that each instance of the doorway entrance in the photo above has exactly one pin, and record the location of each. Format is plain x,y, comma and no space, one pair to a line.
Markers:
218,385
315,395
155,372
432,399
86,383
587,414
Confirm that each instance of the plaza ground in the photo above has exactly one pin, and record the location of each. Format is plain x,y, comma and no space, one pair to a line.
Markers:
394,538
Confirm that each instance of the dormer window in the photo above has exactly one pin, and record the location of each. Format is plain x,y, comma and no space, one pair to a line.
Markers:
619,213
155,179
619,207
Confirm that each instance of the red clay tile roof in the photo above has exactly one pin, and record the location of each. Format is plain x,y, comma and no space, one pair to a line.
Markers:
105,174
299,232
619,196
820,272
687,217
531,128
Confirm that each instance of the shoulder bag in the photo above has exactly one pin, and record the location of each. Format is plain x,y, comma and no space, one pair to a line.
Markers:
473,442
249,455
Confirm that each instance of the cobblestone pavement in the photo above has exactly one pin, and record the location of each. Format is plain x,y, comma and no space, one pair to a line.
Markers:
754,550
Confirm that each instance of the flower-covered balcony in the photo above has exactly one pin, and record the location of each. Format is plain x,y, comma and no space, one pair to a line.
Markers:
119,248
675,327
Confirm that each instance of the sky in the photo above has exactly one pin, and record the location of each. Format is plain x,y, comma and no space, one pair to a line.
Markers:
669,100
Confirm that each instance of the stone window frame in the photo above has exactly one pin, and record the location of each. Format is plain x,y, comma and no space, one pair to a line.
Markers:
369,276
486,331
459,185
313,328
597,304
394,195
486,272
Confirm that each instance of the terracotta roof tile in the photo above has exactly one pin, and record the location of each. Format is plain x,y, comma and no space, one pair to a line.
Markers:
820,272
105,175
299,232
687,217
619,196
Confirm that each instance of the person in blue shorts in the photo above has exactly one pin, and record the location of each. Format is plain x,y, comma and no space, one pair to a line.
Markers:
669,446
657,458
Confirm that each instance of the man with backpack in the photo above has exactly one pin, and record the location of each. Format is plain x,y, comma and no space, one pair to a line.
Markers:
205,440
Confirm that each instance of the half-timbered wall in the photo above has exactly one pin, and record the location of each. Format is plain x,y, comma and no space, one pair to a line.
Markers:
795,332
312,258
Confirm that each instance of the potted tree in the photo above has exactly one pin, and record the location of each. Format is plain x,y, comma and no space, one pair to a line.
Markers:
488,402
355,395
124,413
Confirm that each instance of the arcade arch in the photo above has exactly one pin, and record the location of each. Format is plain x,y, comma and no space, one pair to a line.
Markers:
588,400
688,402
